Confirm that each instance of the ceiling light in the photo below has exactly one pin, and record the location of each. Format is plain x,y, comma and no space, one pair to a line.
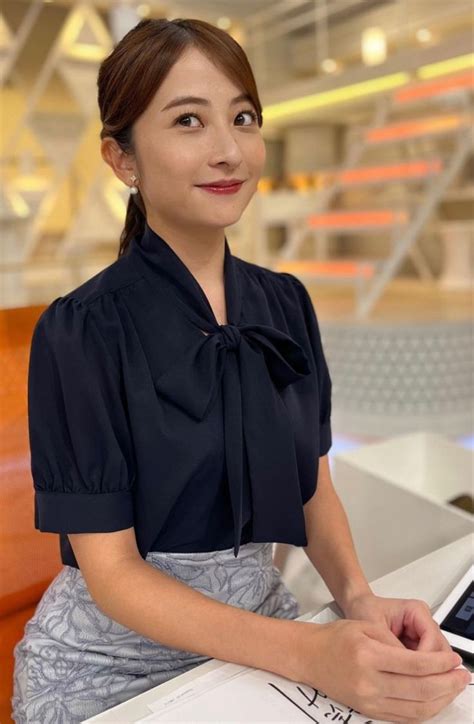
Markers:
423,35
373,46
224,22
143,10
442,67
329,65
335,95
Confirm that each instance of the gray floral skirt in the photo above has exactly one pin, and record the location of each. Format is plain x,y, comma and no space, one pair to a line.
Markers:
74,662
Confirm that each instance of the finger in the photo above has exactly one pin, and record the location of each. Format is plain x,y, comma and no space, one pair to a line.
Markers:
430,635
399,710
430,640
422,688
409,643
422,627
433,641
382,634
443,643
414,663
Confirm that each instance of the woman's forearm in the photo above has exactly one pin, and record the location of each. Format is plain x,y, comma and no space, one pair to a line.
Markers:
331,547
168,611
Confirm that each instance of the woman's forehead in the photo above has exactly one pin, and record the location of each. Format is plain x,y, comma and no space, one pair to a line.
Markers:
193,74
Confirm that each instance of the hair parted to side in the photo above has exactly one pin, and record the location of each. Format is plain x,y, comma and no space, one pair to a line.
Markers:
130,76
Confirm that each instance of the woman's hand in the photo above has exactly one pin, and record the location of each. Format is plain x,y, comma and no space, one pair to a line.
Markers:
409,619
363,665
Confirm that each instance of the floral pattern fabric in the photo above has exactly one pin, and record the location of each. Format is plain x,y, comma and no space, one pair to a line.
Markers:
74,662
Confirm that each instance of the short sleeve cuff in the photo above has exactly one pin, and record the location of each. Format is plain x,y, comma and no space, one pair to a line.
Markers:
83,512
325,438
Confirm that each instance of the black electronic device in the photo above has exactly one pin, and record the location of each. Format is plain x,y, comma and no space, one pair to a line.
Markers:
455,615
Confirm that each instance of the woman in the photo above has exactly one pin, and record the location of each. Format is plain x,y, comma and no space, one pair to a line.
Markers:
179,418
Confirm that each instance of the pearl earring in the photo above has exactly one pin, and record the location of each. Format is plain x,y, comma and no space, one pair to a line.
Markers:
133,188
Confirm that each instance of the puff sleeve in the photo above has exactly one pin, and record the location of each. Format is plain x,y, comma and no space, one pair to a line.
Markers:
81,453
320,363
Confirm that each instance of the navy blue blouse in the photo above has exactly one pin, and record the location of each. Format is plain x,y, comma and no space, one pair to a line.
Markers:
145,412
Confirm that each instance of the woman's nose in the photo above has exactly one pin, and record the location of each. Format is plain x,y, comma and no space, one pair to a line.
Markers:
225,144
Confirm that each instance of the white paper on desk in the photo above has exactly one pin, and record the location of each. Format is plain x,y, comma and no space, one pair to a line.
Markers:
239,694
250,695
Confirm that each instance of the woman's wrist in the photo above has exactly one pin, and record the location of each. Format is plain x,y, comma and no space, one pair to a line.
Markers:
293,640
351,593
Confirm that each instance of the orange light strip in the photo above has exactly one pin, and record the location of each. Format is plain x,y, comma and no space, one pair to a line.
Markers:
414,128
373,174
345,269
357,219
434,87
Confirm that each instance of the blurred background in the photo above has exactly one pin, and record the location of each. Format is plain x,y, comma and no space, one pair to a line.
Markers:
367,197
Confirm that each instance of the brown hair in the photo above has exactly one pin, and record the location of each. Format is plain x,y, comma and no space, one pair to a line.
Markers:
130,76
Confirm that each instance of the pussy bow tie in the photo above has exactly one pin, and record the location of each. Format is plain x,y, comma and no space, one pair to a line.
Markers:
253,362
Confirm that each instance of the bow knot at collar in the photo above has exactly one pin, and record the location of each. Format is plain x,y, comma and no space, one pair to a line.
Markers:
257,425
230,336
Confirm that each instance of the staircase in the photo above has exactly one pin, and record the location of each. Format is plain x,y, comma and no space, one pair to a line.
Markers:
393,178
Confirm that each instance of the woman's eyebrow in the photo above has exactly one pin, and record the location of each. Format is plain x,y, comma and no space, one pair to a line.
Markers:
183,100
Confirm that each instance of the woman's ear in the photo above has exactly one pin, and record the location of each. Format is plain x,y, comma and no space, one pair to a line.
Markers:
121,163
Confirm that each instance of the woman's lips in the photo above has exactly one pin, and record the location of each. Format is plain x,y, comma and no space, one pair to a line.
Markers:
222,189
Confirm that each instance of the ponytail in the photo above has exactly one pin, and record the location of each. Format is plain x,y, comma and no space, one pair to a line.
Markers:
134,222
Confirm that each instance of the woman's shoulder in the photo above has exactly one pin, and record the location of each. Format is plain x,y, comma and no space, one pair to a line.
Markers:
88,311
268,276
286,287
112,278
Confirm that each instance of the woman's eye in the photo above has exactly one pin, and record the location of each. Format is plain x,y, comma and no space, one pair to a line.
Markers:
187,115
251,113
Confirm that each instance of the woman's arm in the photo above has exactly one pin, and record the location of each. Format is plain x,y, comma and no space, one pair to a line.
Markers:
358,663
330,545
132,592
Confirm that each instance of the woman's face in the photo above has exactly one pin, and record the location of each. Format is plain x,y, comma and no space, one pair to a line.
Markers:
178,148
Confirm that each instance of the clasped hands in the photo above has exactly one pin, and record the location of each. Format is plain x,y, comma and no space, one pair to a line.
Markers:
409,620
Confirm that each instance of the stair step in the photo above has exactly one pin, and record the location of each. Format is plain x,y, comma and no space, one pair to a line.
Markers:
328,268
371,219
416,127
364,175
434,88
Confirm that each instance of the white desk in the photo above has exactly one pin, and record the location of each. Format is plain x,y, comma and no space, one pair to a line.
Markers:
429,578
